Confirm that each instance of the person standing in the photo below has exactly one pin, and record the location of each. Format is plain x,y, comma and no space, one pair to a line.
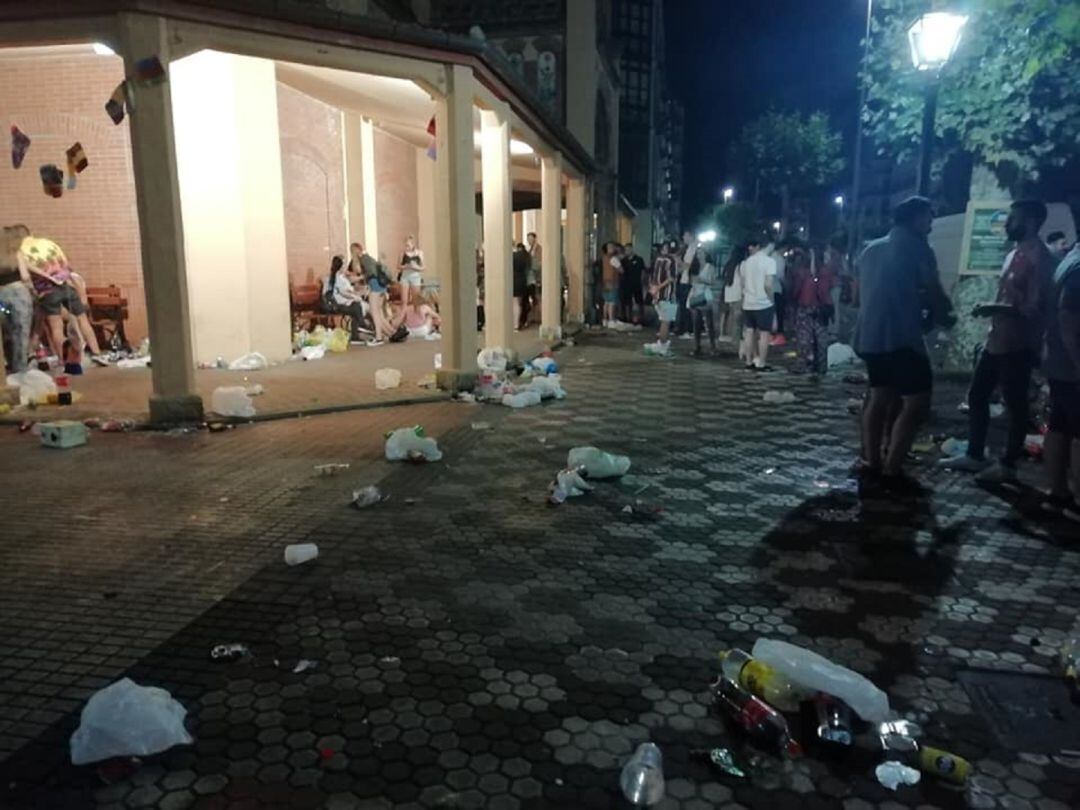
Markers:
898,279
1017,323
520,268
1061,363
16,301
684,324
732,325
610,278
700,302
411,272
812,283
535,273
662,290
780,294
756,275
631,289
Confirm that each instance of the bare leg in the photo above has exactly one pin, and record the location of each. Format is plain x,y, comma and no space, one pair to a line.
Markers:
55,334
87,331
875,413
746,350
912,415
763,339
665,327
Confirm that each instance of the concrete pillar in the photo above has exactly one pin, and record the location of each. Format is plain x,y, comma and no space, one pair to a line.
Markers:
498,224
426,213
576,228
153,153
354,176
367,178
456,190
551,242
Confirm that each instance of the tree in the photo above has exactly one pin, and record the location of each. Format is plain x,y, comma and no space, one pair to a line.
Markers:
736,222
1008,96
788,153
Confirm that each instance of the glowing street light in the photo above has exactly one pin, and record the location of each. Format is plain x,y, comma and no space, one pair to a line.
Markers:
933,38
777,225
707,236
838,201
728,194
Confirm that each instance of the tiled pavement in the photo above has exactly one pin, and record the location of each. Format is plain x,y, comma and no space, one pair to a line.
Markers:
479,648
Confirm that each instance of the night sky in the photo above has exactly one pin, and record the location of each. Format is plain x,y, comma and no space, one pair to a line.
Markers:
730,60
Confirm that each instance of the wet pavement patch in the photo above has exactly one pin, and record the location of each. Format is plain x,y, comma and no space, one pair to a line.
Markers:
1026,712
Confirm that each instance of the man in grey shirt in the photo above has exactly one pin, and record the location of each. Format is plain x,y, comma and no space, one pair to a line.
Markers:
898,281
1061,362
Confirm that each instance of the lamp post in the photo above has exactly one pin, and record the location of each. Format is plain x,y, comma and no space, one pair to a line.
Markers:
728,194
933,39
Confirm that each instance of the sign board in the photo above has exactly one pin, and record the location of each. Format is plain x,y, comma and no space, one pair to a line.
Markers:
985,244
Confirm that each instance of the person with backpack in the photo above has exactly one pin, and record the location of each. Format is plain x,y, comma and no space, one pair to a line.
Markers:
374,275
340,296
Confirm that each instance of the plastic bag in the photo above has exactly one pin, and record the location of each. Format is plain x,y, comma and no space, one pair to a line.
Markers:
544,365
954,447
337,341
124,720
490,385
253,361
840,354
409,444
779,397
548,387
568,483
387,378
817,673
34,386
597,463
313,352
232,400
522,399
495,359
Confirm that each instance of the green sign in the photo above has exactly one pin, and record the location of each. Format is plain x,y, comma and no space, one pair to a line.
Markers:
985,243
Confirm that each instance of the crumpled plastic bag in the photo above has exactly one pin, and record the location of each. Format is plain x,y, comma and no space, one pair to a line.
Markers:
550,387
544,365
597,463
313,352
125,720
522,399
840,354
892,774
568,483
231,400
387,378
34,386
494,359
410,444
252,361
490,385
337,340
778,397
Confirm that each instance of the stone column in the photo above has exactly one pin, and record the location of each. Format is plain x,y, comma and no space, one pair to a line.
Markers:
498,228
153,152
456,195
551,242
576,228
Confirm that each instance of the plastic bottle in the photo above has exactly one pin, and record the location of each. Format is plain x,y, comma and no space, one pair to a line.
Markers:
834,721
762,680
63,389
642,778
755,717
944,765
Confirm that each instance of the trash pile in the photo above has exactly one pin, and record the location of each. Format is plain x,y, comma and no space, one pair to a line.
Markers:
516,386
315,344
410,444
584,463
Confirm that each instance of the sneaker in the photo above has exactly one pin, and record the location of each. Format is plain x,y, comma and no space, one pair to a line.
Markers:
778,340
357,342
997,474
99,360
964,463
373,343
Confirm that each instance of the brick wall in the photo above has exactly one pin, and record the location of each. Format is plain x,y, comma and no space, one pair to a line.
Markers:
57,100
313,174
395,192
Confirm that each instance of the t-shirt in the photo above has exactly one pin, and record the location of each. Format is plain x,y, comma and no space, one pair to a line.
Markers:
344,292
687,260
1058,364
45,258
781,272
753,274
663,270
893,273
1024,284
633,270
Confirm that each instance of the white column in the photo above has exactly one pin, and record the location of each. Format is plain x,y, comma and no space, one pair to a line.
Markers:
456,190
551,242
354,176
427,213
367,178
576,226
157,187
498,224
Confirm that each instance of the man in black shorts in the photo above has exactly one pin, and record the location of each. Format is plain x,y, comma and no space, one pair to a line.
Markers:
898,280
1061,362
631,291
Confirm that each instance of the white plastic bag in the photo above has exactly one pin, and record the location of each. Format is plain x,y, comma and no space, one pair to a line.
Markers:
568,483
387,378
405,444
494,359
490,385
840,354
548,387
544,365
253,361
819,674
125,720
134,362
522,399
231,400
33,385
778,397
313,352
597,463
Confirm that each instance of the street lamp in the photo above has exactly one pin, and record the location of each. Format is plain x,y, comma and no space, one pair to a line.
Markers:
838,201
728,193
933,39
777,225
706,236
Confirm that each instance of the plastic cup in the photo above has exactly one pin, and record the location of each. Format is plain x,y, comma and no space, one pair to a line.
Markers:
642,779
300,553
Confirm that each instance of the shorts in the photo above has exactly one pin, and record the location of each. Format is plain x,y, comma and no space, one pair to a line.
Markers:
631,293
610,295
666,311
1065,408
59,298
412,278
760,319
906,370
375,286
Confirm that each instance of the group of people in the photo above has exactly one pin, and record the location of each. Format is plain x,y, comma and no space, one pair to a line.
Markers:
361,286
1034,321
40,297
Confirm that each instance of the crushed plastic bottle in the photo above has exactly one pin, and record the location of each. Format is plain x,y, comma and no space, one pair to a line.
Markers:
757,718
367,496
892,774
944,765
817,673
597,463
835,724
642,778
761,680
